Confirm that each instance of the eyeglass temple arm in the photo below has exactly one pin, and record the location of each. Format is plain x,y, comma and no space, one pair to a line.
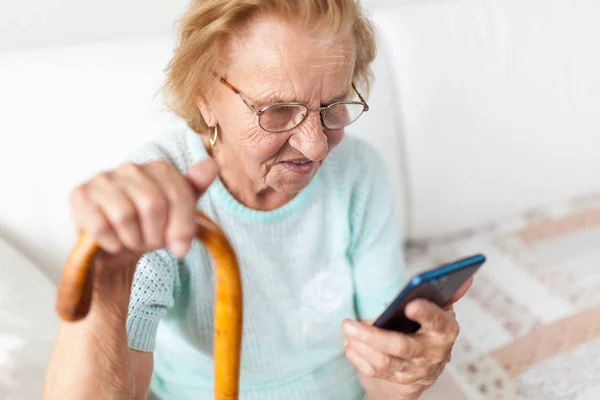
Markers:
236,91
360,97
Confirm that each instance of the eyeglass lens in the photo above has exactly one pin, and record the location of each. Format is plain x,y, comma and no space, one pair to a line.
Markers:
283,117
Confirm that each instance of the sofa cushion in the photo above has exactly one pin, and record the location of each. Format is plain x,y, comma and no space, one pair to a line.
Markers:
498,101
28,324
69,113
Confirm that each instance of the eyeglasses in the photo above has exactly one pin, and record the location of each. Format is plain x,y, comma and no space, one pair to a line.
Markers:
282,117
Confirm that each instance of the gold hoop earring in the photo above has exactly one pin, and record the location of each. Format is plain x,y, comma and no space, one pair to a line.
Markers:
212,136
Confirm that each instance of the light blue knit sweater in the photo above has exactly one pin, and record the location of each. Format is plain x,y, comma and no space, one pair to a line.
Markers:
333,252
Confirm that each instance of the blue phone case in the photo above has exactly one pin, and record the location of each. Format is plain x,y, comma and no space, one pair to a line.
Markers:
437,285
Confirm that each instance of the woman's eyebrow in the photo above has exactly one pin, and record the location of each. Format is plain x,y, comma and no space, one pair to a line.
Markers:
263,101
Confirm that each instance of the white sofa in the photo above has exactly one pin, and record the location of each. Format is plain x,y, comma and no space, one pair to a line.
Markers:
482,109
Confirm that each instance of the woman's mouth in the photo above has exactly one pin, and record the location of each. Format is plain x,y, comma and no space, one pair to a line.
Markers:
302,167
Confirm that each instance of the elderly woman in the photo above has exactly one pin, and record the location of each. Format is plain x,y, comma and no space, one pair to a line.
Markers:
267,89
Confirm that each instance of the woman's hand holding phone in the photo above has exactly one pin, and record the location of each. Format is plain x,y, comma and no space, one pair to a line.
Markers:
411,362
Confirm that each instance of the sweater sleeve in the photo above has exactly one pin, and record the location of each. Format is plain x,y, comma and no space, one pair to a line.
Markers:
152,296
376,248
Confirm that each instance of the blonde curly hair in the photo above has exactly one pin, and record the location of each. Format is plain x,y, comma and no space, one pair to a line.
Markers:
207,27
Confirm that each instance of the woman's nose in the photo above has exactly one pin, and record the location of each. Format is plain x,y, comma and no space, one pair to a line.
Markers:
310,138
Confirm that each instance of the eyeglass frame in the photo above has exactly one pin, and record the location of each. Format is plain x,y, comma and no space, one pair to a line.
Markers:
321,110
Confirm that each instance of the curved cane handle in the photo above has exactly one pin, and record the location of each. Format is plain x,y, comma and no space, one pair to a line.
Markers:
75,296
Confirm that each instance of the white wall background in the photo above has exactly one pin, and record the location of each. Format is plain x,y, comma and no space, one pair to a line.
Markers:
26,24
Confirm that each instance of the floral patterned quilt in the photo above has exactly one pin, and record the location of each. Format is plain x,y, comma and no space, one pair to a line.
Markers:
530,325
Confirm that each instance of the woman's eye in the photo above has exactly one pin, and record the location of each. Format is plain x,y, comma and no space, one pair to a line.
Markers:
282,109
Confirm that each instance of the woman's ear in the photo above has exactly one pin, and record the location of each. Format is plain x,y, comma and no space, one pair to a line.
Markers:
207,114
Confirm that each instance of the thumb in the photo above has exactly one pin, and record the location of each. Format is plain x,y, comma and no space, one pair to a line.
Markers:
202,174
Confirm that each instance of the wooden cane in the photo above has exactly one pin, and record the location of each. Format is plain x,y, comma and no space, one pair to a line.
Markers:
75,297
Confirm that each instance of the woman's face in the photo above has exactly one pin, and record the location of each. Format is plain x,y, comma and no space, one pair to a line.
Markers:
275,62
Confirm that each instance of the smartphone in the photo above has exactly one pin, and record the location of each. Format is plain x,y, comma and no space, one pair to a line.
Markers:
437,285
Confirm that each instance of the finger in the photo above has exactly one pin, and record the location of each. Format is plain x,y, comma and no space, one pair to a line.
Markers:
180,225
90,219
151,204
410,377
201,175
430,375
385,365
389,368
118,209
432,318
360,363
389,342
460,292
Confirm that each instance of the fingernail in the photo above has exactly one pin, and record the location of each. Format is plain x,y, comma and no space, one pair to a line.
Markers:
350,328
179,249
346,343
